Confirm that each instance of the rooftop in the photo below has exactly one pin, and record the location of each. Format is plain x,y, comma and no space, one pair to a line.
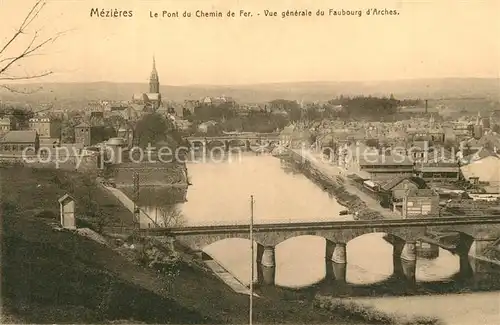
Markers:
83,125
390,184
381,160
421,192
19,137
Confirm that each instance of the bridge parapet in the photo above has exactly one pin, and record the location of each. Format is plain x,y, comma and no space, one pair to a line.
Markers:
407,230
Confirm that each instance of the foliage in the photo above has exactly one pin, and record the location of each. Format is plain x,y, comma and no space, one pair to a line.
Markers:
290,106
154,128
164,260
68,131
171,216
23,44
115,121
205,112
19,115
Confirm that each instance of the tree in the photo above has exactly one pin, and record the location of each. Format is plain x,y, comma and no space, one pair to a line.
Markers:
13,53
115,121
171,216
19,115
152,129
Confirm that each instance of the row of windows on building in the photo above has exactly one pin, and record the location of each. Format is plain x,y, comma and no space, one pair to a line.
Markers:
16,147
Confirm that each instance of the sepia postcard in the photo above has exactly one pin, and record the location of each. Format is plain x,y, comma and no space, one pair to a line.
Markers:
250,162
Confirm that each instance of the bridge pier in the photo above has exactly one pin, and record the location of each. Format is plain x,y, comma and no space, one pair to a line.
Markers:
397,268
405,260
409,252
409,269
466,270
336,261
339,255
268,265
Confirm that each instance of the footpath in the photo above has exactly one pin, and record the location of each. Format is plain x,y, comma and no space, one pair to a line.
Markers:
216,268
129,204
228,278
332,172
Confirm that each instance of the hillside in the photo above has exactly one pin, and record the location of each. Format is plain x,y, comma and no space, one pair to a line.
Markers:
50,276
307,91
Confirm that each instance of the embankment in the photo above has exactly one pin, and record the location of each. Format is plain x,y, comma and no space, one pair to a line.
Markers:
334,186
59,277
367,314
149,174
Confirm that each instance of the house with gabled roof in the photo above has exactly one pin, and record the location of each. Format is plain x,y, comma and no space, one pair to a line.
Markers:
420,203
381,167
15,142
399,185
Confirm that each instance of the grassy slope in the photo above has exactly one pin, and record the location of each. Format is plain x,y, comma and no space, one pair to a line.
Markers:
54,277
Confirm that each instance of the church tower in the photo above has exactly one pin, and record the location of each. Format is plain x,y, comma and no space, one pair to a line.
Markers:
154,81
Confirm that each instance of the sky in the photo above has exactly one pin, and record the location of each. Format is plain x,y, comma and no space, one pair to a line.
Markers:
428,39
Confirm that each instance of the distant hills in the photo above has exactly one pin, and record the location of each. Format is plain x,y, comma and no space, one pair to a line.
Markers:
307,91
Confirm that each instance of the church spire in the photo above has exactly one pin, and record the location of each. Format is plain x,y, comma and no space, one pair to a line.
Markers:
154,81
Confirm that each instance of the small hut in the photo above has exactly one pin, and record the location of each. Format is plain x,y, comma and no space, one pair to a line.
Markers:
67,211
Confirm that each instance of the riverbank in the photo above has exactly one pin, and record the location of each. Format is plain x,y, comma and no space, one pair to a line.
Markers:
360,312
454,309
58,276
331,180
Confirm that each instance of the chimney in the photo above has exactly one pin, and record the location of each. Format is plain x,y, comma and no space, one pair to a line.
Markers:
426,106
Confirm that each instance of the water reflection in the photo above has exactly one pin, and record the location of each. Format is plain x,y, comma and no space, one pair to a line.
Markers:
370,270
220,194
221,190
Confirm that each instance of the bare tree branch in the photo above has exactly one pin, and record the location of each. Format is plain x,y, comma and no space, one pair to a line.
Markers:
32,49
32,14
18,91
40,75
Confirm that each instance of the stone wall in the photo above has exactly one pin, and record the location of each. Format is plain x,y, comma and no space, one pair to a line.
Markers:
150,174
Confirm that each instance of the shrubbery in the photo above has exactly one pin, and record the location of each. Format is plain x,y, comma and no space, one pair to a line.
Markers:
164,260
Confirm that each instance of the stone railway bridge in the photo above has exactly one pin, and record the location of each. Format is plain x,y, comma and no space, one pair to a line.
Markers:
234,140
403,234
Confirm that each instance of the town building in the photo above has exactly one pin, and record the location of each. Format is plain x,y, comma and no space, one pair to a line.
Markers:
381,167
14,142
49,130
6,124
399,185
88,135
420,203
205,127
126,133
438,171
189,106
432,135
151,100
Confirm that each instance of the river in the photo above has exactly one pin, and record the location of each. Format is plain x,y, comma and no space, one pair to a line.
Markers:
220,195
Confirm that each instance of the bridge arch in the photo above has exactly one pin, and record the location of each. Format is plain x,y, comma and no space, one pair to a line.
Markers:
197,143
216,143
273,238
457,241
236,143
